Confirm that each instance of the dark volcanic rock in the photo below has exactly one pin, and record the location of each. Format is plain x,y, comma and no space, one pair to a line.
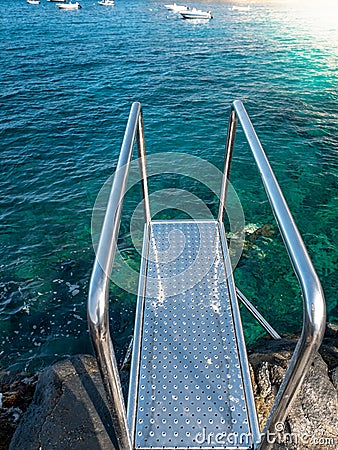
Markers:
16,391
312,422
70,411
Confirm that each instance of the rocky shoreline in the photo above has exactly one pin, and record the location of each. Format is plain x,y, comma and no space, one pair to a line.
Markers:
16,394
312,422
313,416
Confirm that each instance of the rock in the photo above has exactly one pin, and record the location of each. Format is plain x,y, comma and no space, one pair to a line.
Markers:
69,410
16,390
329,347
312,421
334,376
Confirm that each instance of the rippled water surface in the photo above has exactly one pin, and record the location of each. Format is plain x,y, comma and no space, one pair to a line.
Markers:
68,80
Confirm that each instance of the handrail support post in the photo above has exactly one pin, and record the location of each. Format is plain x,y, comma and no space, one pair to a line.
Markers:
229,149
143,167
98,297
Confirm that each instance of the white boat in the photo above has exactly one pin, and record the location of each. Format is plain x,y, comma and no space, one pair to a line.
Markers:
33,2
177,8
240,8
196,14
69,6
106,3
57,1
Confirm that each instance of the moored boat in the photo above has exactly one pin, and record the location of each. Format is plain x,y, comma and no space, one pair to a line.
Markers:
69,6
177,8
196,14
240,8
106,3
33,2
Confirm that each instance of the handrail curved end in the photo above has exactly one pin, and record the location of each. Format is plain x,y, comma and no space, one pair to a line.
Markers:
314,315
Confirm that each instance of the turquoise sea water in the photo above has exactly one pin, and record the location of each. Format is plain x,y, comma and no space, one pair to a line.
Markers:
67,82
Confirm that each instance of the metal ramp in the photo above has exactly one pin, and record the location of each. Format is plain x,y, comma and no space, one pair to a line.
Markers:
190,391
190,384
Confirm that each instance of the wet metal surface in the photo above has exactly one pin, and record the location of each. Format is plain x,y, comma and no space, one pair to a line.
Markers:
190,381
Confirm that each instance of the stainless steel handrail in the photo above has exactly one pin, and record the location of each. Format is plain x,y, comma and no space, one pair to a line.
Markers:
313,298
98,316
98,301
